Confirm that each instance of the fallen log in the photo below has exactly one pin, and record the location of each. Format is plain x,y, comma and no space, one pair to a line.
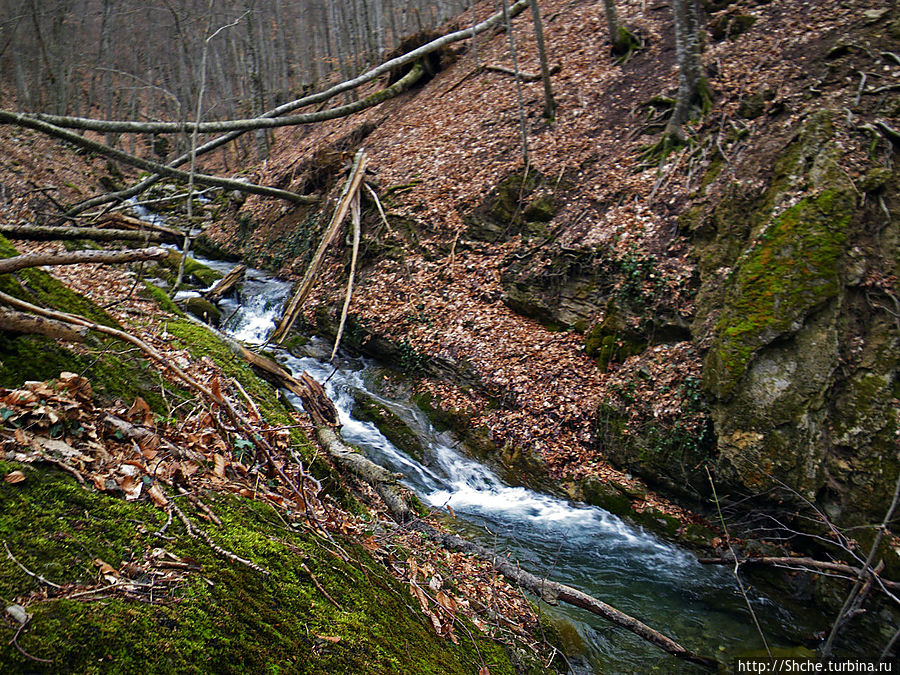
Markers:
19,262
226,284
354,216
53,233
525,77
22,120
129,223
20,322
809,564
296,303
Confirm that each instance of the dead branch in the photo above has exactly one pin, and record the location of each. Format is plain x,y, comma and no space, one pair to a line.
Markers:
19,119
525,77
26,570
241,125
320,587
129,223
294,306
197,533
553,593
810,563
19,262
20,322
54,233
226,284
354,217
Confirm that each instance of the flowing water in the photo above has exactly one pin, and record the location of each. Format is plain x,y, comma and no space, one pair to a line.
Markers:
583,546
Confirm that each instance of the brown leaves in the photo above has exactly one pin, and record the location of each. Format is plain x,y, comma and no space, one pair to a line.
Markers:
14,477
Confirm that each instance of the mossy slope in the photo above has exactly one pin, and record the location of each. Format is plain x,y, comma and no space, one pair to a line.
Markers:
225,618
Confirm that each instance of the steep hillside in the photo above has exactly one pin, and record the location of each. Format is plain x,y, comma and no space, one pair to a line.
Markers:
730,307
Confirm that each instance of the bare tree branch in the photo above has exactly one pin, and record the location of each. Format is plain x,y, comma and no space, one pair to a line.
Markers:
19,262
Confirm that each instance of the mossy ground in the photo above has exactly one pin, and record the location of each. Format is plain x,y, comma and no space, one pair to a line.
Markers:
225,618
111,365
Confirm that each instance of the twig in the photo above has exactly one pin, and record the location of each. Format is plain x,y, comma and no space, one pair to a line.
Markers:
15,643
354,217
737,565
319,586
160,531
27,571
196,533
379,207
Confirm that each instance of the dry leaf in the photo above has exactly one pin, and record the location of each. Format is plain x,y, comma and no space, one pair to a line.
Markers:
157,496
329,638
105,567
219,468
20,437
447,602
216,390
139,409
14,477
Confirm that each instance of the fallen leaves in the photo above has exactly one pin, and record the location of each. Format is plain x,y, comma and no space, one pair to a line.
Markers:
14,477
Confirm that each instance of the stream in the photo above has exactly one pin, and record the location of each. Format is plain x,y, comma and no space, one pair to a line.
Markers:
583,546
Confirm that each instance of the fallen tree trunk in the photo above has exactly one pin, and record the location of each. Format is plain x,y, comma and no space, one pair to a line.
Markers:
525,77
52,233
22,120
19,262
226,284
553,593
295,305
354,217
241,125
20,322
129,223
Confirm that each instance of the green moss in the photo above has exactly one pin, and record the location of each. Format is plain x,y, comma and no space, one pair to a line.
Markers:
606,495
38,287
794,268
394,429
226,618
200,342
610,341
161,298
194,272
540,210
113,368
476,439
204,310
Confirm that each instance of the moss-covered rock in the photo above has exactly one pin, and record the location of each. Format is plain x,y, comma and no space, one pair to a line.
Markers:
195,273
204,310
518,203
393,428
607,496
801,368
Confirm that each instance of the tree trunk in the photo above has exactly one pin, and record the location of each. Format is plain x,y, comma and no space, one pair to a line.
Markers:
692,87
549,102
13,321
